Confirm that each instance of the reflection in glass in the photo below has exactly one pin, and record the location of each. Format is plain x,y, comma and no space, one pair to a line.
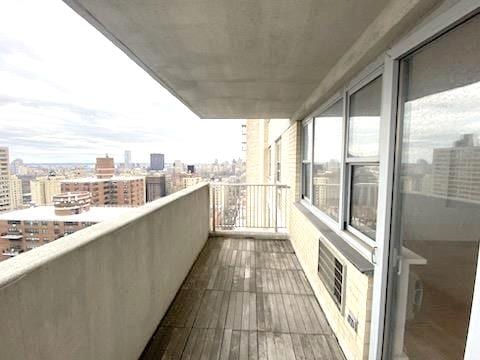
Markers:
364,120
438,212
326,160
363,199
306,180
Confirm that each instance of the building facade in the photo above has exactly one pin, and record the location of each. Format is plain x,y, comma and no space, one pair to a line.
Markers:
114,191
104,167
128,159
24,230
44,188
155,187
157,162
4,180
16,193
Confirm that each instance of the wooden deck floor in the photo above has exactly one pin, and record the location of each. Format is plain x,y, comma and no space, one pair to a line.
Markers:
244,299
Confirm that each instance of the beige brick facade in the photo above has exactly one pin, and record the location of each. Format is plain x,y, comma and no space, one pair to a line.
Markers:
257,151
358,291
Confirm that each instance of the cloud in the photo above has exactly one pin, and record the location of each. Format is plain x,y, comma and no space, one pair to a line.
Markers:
71,95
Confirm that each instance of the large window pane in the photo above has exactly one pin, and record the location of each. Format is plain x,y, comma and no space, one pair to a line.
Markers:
363,199
364,120
438,213
327,156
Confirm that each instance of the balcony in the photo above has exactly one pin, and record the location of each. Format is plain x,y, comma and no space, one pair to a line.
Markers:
152,284
244,298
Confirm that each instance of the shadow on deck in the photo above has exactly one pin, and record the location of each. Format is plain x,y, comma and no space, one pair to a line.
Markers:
244,299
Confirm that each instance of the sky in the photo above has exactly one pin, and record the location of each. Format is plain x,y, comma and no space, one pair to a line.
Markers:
67,94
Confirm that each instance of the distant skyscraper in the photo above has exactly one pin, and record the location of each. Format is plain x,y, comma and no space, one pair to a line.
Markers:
105,167
190,169
178,166
17,167
128,159
156,187
4,180
157,161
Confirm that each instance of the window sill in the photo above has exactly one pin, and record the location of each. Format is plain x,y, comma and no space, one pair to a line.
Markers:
340,244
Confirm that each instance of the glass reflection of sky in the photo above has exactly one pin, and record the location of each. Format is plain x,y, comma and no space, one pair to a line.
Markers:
438,120
364,136
328,139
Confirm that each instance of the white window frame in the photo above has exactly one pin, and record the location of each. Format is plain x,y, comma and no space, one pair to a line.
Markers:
339,96
304,125
432,29
357,161
359,241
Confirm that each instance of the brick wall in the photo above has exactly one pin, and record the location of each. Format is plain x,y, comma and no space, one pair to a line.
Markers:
358,291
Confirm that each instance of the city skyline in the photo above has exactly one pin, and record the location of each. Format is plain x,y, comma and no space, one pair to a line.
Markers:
51,114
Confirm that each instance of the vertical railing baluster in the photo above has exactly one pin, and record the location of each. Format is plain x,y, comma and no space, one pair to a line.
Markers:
213,207
276,209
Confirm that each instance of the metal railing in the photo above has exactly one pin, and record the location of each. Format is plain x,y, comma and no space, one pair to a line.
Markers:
245,207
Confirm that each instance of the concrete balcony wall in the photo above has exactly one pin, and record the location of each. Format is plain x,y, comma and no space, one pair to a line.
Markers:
101,292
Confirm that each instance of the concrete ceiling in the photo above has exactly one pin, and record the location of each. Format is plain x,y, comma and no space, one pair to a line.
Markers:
234,58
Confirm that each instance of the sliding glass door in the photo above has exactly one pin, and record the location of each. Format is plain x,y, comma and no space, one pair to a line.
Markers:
436,211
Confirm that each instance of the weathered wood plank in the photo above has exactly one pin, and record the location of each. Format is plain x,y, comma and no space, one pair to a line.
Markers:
245,299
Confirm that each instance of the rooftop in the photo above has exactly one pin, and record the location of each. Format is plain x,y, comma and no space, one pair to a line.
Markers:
95,179
47,213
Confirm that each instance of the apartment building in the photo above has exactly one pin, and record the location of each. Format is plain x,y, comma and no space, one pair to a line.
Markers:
26,229
44,188
155,187
16,193
104,167
190,180
127,163
4,180
368,112
115,191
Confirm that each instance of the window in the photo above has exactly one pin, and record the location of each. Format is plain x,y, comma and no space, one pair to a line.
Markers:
340,160
327,157
363,198
306,159
362,157
437,208
364,121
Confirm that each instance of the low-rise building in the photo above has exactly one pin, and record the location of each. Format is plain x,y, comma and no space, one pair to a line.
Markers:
23,230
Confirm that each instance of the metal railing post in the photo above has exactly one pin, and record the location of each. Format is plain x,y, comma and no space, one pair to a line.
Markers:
213,208
276,208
